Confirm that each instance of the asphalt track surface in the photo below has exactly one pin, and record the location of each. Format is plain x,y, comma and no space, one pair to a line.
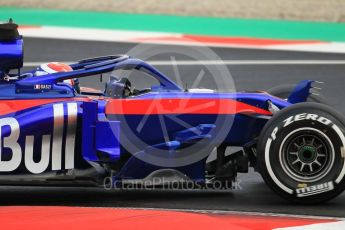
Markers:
254,195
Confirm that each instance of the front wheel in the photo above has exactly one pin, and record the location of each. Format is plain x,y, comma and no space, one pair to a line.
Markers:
301,153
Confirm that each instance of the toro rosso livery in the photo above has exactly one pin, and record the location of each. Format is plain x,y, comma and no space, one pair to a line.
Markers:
55,132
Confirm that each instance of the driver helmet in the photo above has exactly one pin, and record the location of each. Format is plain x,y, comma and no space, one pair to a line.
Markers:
54,67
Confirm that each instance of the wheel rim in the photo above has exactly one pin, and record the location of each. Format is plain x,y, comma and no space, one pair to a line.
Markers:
306,155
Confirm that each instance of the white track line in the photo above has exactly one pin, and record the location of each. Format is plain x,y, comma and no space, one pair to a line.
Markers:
230,62
223,212
163,38
321,226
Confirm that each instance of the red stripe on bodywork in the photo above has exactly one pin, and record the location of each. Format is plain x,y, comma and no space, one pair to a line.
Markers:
181,106
12,106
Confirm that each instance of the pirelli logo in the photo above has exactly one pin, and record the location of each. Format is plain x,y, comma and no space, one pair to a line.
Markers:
315,189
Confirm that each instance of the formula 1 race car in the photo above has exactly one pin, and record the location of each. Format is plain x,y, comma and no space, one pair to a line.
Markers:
54,132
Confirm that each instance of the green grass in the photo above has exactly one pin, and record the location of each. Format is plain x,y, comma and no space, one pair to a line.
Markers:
275,29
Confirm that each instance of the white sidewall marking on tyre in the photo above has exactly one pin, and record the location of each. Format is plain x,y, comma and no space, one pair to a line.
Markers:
287,171
269,168
341,135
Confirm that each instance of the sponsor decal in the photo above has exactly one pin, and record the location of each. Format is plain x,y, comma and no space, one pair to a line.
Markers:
39,86
27,157
315,189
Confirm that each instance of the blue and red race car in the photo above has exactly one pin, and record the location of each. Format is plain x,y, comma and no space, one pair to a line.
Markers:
54,132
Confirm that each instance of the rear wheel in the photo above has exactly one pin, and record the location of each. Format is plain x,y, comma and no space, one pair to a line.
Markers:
301,153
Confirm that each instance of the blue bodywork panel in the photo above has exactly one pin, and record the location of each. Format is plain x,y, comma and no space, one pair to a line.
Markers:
47,127
301,92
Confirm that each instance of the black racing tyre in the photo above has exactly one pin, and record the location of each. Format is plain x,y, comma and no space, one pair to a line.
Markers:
283,91
301,153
